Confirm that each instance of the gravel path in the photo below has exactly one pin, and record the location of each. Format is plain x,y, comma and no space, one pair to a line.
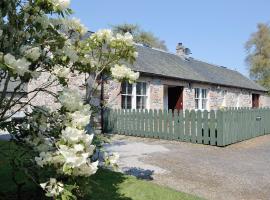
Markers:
239,171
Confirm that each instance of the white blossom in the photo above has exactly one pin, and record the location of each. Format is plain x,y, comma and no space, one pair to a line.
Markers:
127,38
71,99
61,4
78,147
43,159
52,187
33,53
73,135
86,169
76,25
121,72
1,33
61,71
70,52
72,157
80,119
19,66
104,34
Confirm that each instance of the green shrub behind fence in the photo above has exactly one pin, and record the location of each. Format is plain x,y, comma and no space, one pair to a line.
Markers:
217,128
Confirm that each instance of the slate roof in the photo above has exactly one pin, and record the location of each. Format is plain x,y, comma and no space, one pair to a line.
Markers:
161,63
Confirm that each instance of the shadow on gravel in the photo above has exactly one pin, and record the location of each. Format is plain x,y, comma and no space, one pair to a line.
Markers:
145,174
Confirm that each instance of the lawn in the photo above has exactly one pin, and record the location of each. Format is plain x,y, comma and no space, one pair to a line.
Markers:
105,184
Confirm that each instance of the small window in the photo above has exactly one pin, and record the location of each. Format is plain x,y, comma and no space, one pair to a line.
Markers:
134,96
200,98
141,96
197,98
204,99
126,95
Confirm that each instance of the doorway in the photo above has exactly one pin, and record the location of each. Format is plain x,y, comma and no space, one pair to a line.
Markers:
175,97
255,100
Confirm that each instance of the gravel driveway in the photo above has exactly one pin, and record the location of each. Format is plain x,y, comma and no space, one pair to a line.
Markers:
239,171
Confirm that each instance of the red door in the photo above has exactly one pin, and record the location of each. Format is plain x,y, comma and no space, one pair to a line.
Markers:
255,100
175,98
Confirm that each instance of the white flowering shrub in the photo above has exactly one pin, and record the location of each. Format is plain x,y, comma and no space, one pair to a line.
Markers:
36,37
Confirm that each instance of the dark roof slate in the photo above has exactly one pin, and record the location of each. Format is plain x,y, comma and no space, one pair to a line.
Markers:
166,64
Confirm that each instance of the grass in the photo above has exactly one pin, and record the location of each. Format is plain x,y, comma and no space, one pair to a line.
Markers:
104,185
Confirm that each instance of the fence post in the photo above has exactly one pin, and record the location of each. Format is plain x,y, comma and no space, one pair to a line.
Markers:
220,128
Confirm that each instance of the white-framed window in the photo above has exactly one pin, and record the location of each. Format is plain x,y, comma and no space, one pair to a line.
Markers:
134,96
200,98
141,95
126,95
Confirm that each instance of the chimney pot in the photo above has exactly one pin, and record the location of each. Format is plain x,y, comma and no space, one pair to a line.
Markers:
182,51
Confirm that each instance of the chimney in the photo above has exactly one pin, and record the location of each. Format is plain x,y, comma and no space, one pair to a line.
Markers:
182,51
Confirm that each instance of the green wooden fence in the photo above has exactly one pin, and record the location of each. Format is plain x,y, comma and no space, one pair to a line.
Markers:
217,128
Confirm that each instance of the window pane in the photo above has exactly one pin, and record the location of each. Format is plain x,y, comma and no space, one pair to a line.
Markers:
197,93
140,102
196,103
204,101
141,88
126,88
126,102
204,93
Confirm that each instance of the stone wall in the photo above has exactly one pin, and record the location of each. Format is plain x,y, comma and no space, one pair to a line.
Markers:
188,98
112,97
76,82
264,101
156,94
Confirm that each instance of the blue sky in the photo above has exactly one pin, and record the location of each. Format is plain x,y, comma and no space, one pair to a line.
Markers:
214,30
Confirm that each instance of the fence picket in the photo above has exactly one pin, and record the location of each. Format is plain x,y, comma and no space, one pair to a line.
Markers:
155,128
212,127
127,126
151,123
181,126
187,126
193,126
165,125
199,127
160,122
175,125
205,128
220,128
170,125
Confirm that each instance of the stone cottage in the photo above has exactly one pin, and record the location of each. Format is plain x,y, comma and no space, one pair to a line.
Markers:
176,81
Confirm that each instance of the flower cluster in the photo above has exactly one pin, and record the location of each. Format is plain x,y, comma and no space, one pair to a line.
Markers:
18,66
122,72
32,53
76,25
60,4
73,149
71,100
108,36
52,187
61,72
